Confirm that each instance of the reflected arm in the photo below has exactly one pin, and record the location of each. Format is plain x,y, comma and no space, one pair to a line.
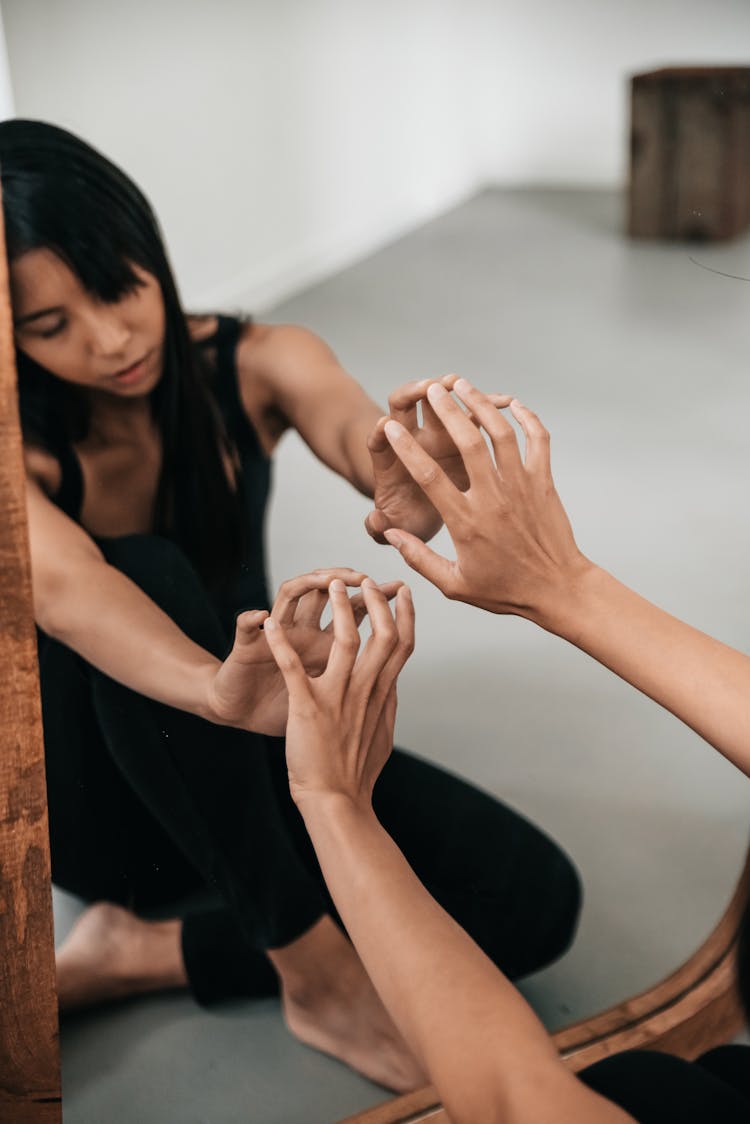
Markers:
290,378
94,609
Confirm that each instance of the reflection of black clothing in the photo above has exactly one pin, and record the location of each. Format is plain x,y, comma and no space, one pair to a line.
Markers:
147,802
661,1089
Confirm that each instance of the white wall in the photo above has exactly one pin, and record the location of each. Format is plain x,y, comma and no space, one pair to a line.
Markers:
560,83
6,91
282,139
276,140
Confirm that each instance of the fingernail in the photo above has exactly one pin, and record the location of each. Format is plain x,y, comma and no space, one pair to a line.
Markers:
517,404
269,622
462,384
337,586
393,429
436,390
368,582
406,591
394,539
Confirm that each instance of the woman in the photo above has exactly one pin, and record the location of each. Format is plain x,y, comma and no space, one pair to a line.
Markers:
148,461
487,1053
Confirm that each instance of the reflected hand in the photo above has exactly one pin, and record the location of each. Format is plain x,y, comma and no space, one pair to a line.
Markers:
515,551
340,729
399,501
248,691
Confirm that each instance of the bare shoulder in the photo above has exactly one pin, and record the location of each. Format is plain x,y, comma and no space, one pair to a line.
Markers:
277,365
43,468
270,351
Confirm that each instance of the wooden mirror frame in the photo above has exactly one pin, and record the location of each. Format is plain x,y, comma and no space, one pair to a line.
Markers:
690,1011
29,1046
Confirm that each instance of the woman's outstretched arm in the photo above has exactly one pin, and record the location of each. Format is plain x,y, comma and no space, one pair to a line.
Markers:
98,612
515,553
485,1050
290,378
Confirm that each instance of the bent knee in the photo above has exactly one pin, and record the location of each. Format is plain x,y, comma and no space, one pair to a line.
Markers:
162,570
564,898
548,916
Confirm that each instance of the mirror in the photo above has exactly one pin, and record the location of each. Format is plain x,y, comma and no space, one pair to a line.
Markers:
30,1060
362,173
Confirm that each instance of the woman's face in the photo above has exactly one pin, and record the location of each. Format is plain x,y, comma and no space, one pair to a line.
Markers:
116,348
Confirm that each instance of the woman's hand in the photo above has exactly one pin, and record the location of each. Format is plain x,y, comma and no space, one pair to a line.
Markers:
340,728
248,691
399,501
515,551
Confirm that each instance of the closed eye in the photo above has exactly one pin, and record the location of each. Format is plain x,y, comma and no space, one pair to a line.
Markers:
45,333
48,333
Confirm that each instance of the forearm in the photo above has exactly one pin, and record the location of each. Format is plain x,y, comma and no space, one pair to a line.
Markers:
487,1053
359,470
114,626
703,682
312,392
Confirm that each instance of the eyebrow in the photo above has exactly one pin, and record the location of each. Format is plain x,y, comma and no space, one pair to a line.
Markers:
19,323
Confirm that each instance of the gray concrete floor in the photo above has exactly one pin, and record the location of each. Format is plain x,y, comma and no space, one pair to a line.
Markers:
636,359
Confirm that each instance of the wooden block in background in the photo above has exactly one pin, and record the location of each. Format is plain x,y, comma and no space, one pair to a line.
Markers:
690,153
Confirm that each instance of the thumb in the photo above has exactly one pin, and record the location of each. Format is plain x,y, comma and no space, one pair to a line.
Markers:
423,559
375,524
248,628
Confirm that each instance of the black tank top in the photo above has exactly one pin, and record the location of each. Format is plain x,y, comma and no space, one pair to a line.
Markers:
248,589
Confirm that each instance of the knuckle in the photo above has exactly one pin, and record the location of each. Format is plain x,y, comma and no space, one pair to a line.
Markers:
400,396
429,476
505,435
350,640
473,444
388,635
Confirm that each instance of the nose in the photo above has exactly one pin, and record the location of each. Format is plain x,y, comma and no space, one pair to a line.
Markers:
108,331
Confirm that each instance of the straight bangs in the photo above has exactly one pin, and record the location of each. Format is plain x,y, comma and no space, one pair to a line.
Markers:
99,231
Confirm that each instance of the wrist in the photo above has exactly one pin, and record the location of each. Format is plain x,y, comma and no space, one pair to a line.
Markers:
329,807
566,602
205,693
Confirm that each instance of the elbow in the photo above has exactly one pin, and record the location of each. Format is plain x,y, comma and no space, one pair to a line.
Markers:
57,595
52,605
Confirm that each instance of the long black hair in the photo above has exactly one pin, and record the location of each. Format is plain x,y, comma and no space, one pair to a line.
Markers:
61,194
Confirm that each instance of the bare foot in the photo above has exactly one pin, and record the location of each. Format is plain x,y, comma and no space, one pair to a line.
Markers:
330,1003
111,953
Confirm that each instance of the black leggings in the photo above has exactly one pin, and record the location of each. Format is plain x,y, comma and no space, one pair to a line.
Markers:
148,804
661,1089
